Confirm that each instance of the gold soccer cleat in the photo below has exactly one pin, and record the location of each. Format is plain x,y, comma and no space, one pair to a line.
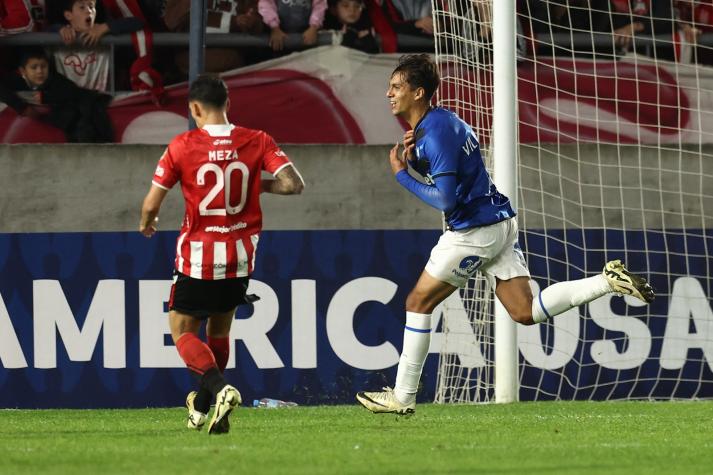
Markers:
225,402
385,402
626,283
196,419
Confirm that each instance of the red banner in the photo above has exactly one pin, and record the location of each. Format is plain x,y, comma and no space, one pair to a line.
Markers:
337,95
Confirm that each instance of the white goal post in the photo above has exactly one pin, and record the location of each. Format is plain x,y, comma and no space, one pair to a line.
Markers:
605,145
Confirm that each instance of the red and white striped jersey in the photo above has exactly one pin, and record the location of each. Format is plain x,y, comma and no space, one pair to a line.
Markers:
219,167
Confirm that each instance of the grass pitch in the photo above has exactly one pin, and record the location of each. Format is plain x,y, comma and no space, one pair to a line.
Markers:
525,438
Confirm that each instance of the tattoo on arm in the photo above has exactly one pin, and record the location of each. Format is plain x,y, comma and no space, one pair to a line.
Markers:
287,182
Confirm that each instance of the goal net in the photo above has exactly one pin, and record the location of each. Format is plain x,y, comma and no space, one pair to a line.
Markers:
615,121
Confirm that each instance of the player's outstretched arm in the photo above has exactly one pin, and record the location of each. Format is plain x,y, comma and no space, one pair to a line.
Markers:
288,181
150,209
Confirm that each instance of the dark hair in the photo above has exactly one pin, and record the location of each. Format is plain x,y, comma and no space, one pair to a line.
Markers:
68,5
33,52
209,90
333,3
419,70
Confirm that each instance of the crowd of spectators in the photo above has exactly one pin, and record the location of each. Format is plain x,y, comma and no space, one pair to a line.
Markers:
77,69
81,64
358,22
611,28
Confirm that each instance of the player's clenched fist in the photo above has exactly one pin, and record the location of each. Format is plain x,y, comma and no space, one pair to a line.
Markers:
150,229
396,161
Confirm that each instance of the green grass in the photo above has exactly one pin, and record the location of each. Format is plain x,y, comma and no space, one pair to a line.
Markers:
527,438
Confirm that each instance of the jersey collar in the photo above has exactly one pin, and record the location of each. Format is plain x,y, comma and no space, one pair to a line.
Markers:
423,117
218,130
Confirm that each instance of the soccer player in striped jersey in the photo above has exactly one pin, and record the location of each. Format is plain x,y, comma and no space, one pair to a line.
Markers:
219,166
481,231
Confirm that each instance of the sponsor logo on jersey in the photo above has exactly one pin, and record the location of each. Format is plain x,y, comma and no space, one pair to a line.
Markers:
159,171
222,142
280,153
226,229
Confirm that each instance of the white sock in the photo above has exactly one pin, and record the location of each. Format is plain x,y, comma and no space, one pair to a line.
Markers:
562,296
417,338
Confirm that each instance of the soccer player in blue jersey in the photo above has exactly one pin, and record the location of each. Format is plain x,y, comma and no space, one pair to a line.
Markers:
481,231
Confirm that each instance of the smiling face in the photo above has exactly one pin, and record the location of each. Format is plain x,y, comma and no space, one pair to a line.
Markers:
402,97
82,15
35,71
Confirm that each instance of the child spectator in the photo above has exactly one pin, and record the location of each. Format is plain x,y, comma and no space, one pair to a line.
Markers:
350,18
37,92
86,63
18,16
292,16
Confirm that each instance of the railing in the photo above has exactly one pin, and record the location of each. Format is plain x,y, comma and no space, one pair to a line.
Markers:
293,42
587,40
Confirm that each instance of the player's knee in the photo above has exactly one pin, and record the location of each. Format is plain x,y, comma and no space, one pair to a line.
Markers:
523,317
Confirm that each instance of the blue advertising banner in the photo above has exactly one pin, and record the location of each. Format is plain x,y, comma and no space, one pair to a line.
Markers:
83,319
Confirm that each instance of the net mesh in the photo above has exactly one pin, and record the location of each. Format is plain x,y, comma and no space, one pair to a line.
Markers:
615,162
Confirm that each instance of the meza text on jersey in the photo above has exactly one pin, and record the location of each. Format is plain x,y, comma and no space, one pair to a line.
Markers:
222,155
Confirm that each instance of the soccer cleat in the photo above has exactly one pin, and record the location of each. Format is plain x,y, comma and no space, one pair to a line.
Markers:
196,419
384,402
626,283
225,401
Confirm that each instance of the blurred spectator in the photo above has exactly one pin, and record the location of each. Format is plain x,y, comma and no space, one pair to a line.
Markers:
292,16
410,17
694,15
117,17
350,18
83,60
18,16
21,16
153,12
549,18
391,17
560,26
141,73
223,16
39,93
645,18
693,18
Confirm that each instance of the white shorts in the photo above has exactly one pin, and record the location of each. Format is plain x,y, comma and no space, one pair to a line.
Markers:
493,250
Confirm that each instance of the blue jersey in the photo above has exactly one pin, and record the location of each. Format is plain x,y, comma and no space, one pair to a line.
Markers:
446,145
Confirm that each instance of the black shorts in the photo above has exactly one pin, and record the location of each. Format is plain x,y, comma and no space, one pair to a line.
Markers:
203,298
